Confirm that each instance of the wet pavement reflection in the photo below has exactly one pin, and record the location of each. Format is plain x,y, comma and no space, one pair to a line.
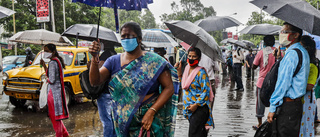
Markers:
233,112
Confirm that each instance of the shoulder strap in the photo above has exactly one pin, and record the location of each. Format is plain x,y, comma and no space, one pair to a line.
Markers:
299,63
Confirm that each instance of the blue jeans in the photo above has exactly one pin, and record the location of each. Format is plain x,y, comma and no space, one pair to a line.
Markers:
104,107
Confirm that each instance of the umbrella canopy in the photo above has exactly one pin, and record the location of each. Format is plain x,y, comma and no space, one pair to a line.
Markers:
261,29
12,38
239,43
5,12
215,23
117,4
228,40
296,12
41,37
196,37
249,43
157,39
89,32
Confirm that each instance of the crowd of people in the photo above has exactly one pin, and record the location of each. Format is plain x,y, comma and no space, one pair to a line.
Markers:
142,88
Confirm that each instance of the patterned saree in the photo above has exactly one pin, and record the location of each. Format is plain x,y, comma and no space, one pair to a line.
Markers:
128,88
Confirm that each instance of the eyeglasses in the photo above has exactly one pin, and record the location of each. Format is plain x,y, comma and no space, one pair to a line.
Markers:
287,31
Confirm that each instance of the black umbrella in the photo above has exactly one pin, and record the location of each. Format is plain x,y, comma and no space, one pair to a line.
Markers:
296,12
249,43
261,29
196,37
215,23
5,12
89,32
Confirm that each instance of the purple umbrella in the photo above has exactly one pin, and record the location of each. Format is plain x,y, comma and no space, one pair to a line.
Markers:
117,4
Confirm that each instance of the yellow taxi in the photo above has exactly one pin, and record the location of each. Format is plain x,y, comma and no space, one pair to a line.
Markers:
24,84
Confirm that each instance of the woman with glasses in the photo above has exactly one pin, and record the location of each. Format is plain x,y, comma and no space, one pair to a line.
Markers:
142,84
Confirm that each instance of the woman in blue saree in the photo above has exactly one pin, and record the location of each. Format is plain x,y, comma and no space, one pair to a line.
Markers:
143,87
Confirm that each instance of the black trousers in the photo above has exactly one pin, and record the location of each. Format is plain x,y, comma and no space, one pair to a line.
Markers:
197,122
289,119
237,69
250,73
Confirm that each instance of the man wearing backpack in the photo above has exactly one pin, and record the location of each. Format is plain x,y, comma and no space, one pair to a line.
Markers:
265,60
286,98
237,67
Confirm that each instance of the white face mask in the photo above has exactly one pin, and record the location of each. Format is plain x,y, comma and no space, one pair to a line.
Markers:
283,39
47,55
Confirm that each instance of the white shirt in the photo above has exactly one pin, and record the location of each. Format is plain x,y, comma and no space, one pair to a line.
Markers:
224,56
208,64
238,58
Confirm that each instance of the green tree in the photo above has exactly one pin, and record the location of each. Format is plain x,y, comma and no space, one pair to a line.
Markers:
76,13
192,10
25,16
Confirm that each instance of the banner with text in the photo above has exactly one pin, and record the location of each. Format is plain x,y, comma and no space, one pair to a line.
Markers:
43,11
229,34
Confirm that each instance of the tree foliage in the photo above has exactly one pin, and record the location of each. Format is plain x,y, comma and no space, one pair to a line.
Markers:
75,13
192,10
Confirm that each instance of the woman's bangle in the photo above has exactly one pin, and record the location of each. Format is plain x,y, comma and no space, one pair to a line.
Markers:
155,111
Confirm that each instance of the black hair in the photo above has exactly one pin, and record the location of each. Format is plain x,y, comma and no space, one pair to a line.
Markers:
295,29
53,48
269,40
310,45
223,50
197,50
135,27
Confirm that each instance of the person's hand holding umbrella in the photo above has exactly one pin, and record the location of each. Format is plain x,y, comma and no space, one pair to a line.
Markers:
94,50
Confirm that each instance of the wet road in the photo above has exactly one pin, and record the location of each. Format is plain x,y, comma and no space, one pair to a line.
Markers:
233,112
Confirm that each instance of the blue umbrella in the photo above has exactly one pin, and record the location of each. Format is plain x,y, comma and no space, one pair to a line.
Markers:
117,4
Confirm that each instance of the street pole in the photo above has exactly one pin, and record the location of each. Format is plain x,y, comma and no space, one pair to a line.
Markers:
261,15
52,17
64,16
14,29
317,5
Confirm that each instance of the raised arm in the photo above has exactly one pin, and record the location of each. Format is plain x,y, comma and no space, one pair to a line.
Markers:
97,76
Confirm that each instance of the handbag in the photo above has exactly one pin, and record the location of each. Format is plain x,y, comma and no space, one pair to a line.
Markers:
43,94
265,130
143,132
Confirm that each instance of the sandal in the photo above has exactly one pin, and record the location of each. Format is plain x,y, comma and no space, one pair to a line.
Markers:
255,127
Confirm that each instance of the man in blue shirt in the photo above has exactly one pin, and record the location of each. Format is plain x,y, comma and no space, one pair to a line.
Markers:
286,98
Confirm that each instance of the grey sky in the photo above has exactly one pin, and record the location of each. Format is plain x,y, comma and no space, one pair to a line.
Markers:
223,8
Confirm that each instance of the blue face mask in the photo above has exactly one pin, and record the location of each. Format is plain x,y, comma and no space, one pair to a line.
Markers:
129,44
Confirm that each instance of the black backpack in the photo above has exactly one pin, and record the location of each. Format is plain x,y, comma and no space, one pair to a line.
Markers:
269,82
89,91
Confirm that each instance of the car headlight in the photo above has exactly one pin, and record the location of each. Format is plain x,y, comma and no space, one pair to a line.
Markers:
43,77
5,76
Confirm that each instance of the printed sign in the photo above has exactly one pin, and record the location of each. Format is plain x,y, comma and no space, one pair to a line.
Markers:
235,37
229,34
43,11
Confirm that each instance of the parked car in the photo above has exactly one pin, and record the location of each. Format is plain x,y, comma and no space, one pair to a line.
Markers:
11,62
25,83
